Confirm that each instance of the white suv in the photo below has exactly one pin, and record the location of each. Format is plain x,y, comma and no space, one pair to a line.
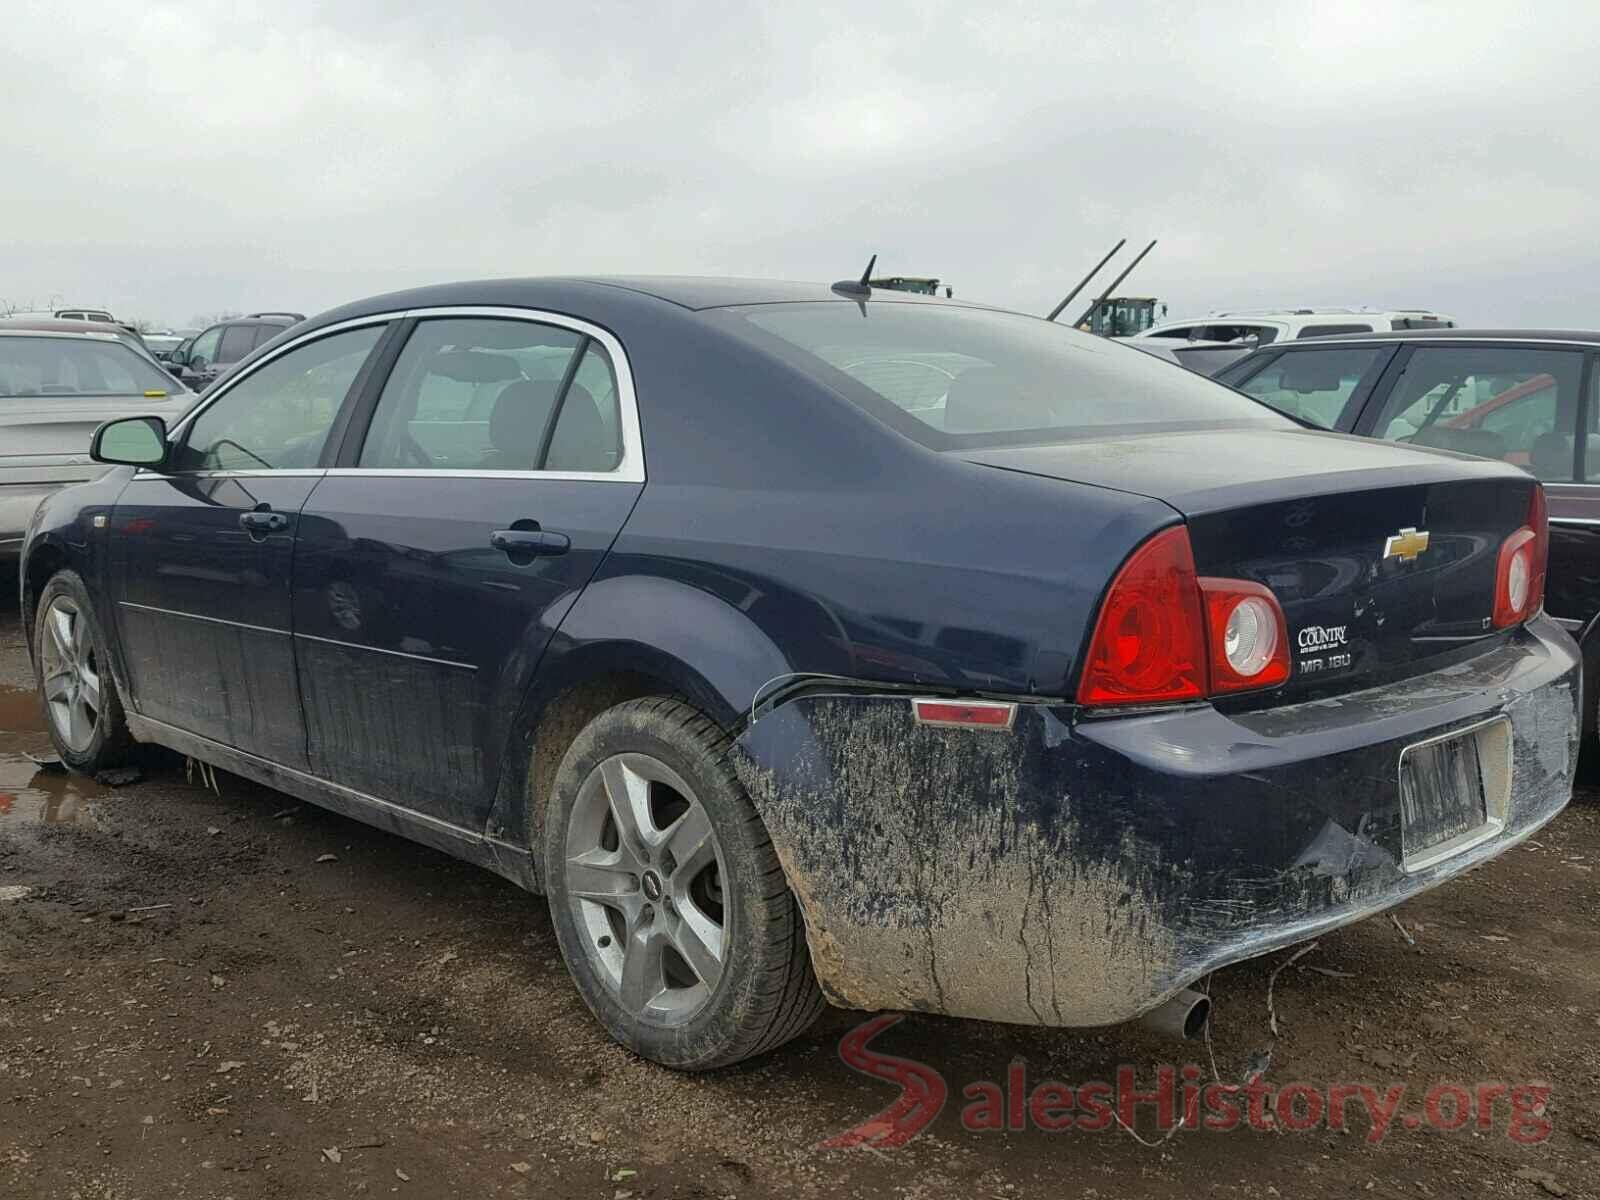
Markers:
1266,325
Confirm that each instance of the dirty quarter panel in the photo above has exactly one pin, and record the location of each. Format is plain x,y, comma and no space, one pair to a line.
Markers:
1077,872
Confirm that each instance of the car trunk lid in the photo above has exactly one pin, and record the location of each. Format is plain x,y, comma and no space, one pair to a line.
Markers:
1383,557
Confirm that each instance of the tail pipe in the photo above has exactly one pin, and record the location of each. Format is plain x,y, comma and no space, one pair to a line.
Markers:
1183,1016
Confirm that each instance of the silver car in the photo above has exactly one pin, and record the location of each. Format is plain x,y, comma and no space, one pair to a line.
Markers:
55,388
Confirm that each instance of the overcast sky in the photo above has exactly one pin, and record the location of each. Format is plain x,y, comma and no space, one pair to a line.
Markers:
170,160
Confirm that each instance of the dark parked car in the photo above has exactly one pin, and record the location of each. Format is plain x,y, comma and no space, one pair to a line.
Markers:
1523,396
692,604
211,353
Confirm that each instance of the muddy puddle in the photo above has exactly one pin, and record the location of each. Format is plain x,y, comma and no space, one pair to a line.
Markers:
27,792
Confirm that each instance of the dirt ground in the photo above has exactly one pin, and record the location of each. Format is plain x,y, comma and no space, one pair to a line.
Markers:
197,1001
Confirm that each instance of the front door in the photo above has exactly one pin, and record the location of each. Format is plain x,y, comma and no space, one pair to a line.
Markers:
203,552
433,567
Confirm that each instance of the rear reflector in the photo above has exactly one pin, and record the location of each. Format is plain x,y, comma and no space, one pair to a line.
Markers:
965,714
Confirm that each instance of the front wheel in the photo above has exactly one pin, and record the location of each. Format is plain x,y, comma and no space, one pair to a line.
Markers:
667,897
80,698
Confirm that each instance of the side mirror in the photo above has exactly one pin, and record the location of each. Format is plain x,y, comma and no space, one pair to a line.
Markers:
131,442
178,357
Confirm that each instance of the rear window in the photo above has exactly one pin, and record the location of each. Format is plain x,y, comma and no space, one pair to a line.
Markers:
63,366
961,377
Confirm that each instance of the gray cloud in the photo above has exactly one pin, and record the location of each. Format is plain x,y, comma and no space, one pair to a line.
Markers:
176,159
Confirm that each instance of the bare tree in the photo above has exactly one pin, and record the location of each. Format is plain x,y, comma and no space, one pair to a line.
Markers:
202,320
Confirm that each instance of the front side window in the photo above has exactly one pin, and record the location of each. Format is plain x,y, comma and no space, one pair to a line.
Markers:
486,394
278,416
1512,403
1313,385
952,377
60,366
204,350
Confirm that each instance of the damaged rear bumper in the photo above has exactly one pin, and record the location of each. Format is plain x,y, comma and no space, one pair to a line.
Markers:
1079,872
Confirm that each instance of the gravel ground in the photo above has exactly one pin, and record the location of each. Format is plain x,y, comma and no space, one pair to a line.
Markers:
196,1000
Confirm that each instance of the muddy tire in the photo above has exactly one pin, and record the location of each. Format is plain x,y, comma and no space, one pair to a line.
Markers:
83,710
669,903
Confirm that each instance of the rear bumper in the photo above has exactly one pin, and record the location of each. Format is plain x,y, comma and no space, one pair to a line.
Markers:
1079,872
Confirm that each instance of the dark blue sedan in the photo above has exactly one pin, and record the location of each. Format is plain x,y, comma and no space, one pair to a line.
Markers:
804,642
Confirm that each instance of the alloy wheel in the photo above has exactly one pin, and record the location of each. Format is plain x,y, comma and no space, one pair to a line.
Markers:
70,663
644,874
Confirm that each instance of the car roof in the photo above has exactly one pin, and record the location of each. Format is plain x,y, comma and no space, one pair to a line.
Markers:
56,325
588,293
276,322
1584,336
715,291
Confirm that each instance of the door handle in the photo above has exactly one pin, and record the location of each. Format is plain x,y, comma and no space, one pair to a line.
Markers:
530,543
258,524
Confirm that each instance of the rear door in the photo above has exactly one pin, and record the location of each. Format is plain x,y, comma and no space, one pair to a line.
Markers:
202,552
481,485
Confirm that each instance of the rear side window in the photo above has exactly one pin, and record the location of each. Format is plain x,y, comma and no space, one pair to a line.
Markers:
237,341
265,333
1515,404
478,394
954,377
1316,331
1235,333
1313,385
588,435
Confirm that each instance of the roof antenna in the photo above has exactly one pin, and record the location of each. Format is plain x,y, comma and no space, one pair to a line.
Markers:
858,287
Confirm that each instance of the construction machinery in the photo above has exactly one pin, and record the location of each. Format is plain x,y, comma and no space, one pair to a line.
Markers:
1114,316
911,283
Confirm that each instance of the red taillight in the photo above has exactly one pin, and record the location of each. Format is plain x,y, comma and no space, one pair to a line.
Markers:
1166,634
1519,574
1539,522
1149,642
1248,636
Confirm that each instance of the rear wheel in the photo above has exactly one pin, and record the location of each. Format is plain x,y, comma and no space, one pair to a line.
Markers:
81,705
668,900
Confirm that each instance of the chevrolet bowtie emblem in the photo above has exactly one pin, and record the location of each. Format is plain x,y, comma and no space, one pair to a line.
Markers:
1406,544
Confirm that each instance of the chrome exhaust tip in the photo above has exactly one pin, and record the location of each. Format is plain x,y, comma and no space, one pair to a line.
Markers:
1184,1016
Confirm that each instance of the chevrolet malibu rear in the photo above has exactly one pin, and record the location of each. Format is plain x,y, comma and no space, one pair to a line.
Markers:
1293,679
804,643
